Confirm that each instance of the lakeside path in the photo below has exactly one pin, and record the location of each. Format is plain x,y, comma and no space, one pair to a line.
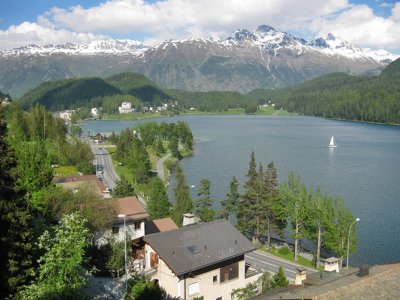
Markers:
160,166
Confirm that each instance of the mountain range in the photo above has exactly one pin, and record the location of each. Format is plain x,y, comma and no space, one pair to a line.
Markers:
244,61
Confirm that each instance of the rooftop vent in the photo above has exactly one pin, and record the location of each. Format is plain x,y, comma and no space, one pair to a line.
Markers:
364,270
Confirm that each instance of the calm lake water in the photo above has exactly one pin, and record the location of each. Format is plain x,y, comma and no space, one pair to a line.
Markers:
364,169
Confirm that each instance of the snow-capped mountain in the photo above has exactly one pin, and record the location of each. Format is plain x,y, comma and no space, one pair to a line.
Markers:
245,60
112,47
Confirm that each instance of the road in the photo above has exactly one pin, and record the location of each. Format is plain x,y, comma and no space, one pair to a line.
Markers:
160,166
270,263
104,166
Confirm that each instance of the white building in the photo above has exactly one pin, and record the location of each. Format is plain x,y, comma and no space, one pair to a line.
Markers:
66,115
135,217
125,108
94,112
199,260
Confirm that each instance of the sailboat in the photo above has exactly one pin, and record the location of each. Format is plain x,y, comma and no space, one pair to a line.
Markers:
332,144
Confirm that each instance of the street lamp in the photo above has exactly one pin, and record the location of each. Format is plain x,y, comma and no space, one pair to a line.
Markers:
348,243
126,270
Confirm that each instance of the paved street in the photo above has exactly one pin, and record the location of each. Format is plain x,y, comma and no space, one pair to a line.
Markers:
271,263
104,163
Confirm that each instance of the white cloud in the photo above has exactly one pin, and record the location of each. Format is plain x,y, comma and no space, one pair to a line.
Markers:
396,12
360,26
182,18
176,19
33,33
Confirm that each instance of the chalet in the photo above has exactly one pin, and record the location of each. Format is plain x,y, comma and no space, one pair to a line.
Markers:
199,260
135,218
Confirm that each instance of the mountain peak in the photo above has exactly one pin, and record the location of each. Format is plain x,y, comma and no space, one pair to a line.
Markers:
330,37
265,28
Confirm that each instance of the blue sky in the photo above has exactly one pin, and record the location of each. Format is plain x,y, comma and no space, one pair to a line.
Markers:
368,23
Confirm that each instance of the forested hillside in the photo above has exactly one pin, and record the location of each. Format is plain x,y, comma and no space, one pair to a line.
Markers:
213,101
127,87
68,93
372,99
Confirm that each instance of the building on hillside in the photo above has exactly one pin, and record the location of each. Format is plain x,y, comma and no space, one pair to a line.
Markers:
135,218
125,108
66,115
73,183
95,112
199,260
377,282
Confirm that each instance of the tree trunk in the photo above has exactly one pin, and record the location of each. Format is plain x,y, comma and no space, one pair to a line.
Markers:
268,235
317,263
296,244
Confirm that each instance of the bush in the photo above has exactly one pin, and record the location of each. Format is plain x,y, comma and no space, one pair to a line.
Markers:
284,250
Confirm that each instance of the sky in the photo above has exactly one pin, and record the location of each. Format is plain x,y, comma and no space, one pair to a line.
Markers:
367,23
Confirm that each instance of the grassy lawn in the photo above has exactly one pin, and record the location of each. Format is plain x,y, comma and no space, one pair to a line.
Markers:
271,111
233,111
132,116
289,256
66,171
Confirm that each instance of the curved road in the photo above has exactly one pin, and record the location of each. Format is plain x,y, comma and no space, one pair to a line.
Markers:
160,166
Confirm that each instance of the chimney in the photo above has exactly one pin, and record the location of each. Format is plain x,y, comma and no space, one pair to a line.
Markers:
363,271
301,275
189,219
332,264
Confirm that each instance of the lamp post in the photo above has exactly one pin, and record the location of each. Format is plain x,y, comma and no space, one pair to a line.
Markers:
348,243
126,270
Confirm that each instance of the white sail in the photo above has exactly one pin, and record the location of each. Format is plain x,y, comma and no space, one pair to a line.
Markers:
332,144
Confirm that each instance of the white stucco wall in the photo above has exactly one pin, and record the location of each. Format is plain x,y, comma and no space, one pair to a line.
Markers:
207,288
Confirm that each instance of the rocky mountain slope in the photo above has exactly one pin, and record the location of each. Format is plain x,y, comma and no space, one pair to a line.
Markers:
264,58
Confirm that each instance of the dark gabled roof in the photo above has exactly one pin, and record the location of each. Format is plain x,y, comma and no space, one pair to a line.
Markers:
197,246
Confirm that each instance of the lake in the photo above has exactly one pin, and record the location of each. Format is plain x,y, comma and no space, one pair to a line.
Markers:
364,169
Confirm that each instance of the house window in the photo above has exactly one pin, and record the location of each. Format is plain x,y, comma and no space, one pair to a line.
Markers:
215,279
137,225
194,288
115,229
229,272
153,260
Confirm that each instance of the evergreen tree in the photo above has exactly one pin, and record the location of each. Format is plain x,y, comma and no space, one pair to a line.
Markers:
279,279
160,148
273,203
123,188
174,147
203,205
138,161
229,205
16,223
250,211
158,205
183,202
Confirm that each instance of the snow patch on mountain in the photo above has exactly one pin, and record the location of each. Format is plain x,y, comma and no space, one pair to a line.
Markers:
332,45
265,37
102,47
